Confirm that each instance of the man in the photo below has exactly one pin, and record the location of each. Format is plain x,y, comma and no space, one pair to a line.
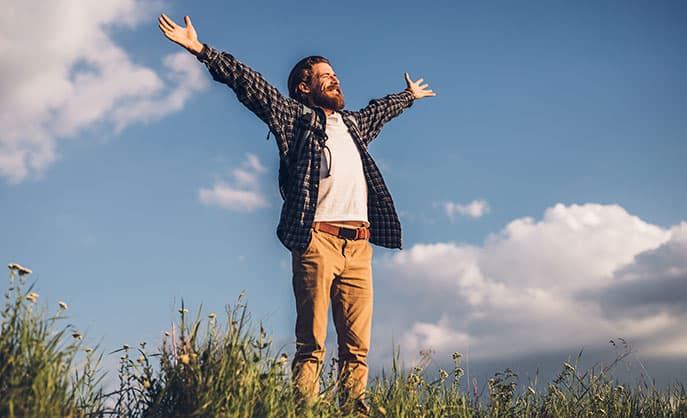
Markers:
335,200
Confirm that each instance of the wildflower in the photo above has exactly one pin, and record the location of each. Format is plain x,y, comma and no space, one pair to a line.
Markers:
124,357
88,349
33,296
167,334
381,410
457,356
184,358
140,359
443,374
568,366
146,384
126,346
413,379
143,344
620,388
63,305
531,390
19,269
282,359
459,372
183,311
77,335
212,315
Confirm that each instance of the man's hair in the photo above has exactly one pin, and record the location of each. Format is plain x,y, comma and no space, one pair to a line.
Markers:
302,73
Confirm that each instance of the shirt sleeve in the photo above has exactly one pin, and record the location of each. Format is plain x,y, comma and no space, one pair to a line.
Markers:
372,117
253,91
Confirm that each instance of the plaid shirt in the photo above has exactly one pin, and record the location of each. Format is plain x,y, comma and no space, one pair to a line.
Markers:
285,118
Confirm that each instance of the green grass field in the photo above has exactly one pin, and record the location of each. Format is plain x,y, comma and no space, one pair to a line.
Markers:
225,367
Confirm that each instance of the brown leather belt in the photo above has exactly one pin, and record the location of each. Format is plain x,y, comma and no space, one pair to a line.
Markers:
341,232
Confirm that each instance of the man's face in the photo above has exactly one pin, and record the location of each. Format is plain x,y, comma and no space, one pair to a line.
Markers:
325,90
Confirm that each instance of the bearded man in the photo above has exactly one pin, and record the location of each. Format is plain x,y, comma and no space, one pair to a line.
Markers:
335,200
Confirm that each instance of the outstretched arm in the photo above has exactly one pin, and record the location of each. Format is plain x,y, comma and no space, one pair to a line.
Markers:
186,37
251,88
372,117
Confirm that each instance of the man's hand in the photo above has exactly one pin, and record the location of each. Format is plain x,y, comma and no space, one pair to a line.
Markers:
417,89
186,37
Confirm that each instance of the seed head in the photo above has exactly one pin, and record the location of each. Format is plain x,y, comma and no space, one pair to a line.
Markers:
77,335
184,358
146,384
443,374
413,379
381,410
531,390
19,269
126,346
140,359
183,311
33,296
63,305
569,366
212,316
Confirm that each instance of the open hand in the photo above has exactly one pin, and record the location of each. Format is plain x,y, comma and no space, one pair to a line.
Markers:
418,89
184,36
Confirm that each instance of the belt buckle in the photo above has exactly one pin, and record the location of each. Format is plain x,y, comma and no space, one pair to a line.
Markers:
347,233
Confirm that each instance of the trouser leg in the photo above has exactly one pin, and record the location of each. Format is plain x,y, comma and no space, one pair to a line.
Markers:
352,300
313,273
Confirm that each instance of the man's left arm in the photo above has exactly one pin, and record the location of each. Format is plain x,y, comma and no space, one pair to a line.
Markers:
372,117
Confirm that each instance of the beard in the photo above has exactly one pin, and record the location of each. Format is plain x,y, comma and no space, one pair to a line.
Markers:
331,98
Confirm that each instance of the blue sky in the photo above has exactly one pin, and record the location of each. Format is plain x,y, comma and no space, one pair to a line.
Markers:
542,192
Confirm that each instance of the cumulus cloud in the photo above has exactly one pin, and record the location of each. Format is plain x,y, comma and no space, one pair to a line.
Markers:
577,277
63,73
475,209
243,194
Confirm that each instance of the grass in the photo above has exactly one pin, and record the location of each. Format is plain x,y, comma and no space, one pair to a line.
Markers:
212,367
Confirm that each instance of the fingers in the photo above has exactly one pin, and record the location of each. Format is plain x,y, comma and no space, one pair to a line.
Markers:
167,22
188,21
408,78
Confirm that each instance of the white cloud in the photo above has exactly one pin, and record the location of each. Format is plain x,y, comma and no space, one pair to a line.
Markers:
581,275
63,73
475,209
244,195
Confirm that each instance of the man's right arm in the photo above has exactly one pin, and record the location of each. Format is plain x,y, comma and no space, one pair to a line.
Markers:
251,88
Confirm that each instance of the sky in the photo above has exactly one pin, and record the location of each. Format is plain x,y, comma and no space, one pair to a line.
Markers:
541,192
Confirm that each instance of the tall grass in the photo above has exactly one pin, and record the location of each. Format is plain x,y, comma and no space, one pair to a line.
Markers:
212,367
45,371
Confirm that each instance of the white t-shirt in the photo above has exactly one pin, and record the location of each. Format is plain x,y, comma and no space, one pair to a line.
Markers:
342,196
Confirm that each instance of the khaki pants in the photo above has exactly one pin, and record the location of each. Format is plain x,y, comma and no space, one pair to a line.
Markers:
340,270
